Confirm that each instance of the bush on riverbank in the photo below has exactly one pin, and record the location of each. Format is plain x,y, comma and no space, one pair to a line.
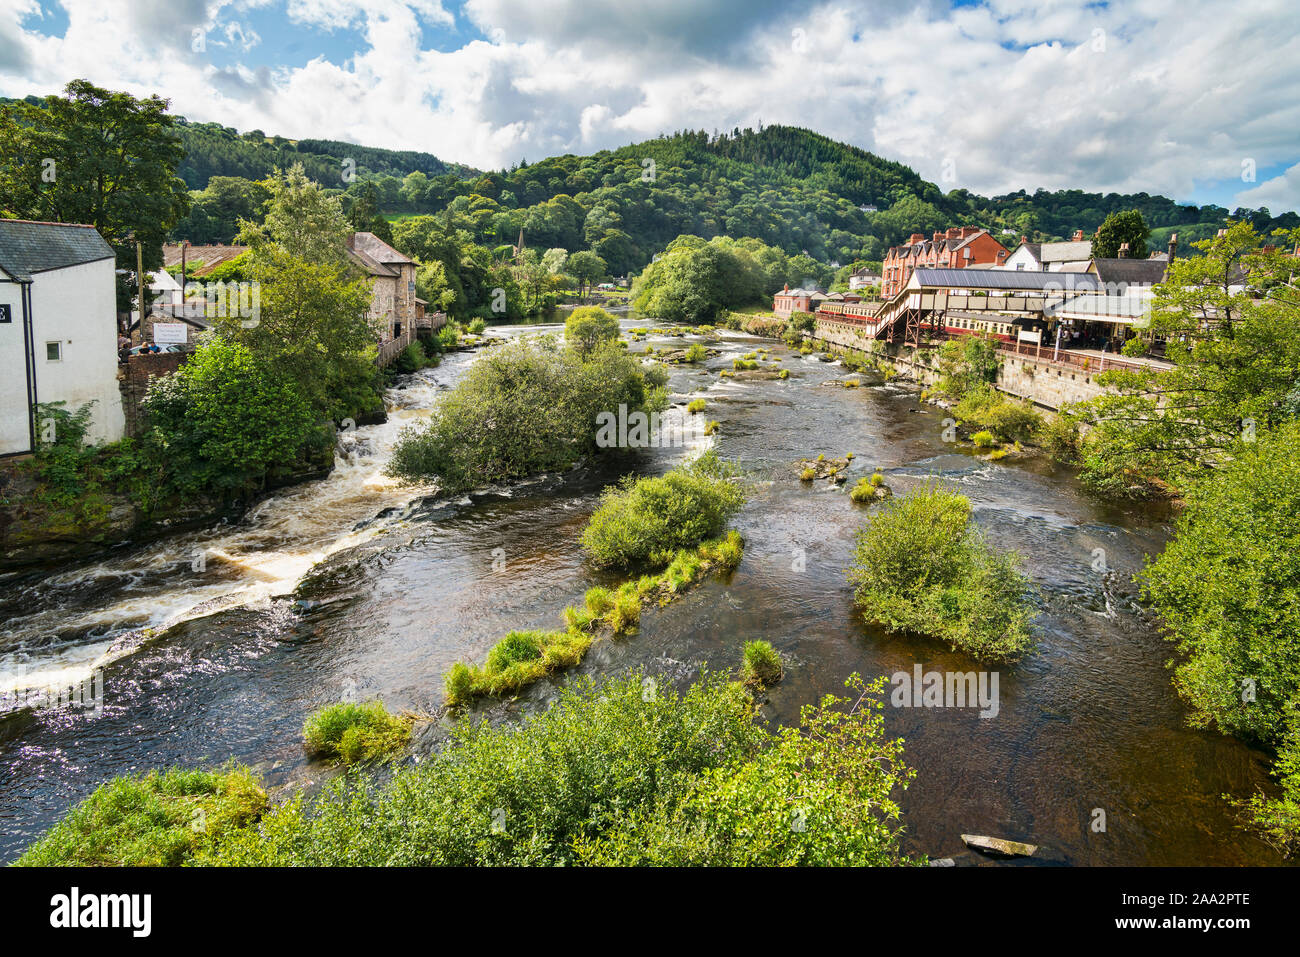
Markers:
692,772
1011,420
919,566
158,819
1225,587
529,406
354,732
645,520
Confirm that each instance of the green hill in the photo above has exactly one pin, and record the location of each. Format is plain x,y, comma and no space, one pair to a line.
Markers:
790,187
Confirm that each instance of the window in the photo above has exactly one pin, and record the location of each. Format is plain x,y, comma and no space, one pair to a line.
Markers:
54,351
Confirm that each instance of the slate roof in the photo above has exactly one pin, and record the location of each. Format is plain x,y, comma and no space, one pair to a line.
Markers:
1010,279
27,248
368,244
1071,251
1132,271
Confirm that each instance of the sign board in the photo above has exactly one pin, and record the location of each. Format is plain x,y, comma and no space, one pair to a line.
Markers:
6,315
1036,336
169,333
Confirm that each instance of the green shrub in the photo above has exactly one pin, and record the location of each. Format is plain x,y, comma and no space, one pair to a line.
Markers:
577,782
643,521
863,491
807,475
919,566
984,440
1011,420
696,405
588,326
151,820
525,407
695,352
354,732
744,364
711,427
476,327
762,665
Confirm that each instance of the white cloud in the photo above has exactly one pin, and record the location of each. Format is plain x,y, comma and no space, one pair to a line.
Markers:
1278,194
1129,96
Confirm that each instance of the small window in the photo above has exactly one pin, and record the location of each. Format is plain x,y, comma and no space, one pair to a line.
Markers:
54,351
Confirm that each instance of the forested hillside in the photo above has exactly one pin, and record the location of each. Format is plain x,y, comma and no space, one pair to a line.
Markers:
792,188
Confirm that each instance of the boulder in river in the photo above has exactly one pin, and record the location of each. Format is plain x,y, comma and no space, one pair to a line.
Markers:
998,846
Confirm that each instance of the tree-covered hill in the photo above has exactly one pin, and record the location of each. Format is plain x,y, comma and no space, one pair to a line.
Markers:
215,150
789,187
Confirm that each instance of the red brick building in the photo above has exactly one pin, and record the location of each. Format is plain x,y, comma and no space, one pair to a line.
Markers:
958,248
790,300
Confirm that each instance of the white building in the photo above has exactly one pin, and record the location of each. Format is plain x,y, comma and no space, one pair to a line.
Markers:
58,330
1070,256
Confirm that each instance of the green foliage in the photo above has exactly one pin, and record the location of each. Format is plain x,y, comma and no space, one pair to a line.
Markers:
644,520
1154,427
775,809
115,157
354,732
1227,590
696,405
967,364
761,665
525,407
984,440
226,420
151,820
1119,228
919,566
589,326
1009,419
577,783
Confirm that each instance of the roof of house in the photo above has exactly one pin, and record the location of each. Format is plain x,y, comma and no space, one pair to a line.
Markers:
1034,249
370,245
369,264
1065,252
1135,271
29,247
200,260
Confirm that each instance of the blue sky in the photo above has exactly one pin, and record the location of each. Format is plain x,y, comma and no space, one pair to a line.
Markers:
990,95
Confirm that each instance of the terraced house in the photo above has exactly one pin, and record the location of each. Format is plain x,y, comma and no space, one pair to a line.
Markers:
960,247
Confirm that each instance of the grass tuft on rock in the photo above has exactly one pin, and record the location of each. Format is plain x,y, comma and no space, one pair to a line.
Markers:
761,667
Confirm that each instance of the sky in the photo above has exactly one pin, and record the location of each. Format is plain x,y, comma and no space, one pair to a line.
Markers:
1192,99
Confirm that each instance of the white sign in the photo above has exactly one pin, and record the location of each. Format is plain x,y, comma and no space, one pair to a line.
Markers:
1035,336
169,333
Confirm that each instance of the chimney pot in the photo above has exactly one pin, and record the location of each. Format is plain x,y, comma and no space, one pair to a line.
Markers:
1123,250
1078,235
1173,246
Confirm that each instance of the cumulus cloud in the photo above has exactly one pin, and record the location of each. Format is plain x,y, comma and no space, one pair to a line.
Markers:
1278,194
1127,96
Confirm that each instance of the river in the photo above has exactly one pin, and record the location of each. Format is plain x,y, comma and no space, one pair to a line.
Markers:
216,645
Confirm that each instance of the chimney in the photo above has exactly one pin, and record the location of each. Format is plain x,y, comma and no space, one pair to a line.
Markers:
1002,254
1078,236
916,238
1023,239
1173,246
938,237
953,233
1123,250
968,231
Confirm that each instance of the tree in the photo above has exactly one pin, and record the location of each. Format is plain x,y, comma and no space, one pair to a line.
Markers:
228,420
1231,322
588,326
97,157
587,268
1120,228
312,321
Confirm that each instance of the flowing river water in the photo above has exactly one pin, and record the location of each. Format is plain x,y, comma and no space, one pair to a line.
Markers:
216,645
